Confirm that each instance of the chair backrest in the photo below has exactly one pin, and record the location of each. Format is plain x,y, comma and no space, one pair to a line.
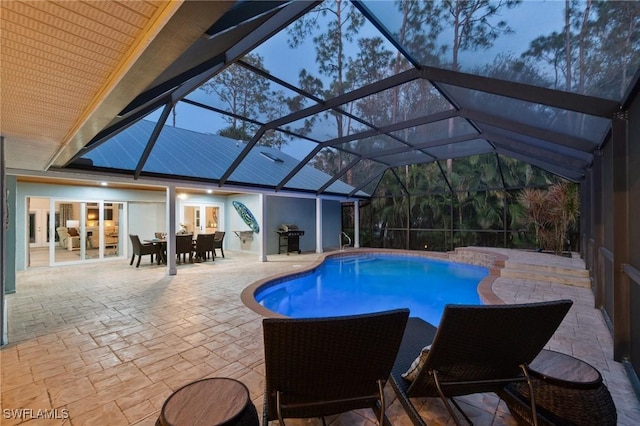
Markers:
184,243
217,239
135,243
317,360
204,242
488,342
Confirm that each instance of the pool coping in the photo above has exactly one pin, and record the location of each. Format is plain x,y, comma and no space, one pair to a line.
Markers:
485,286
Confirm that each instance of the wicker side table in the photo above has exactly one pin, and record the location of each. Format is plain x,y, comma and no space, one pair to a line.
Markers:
568,391
208,402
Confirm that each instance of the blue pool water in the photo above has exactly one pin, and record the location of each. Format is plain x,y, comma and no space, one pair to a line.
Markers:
348,285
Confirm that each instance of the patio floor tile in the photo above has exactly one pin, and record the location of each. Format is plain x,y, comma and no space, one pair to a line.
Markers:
110,342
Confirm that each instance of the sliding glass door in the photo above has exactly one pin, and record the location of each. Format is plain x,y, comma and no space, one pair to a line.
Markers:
87,230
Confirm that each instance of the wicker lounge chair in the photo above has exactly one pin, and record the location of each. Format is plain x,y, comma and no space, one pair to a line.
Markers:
476,349
323,366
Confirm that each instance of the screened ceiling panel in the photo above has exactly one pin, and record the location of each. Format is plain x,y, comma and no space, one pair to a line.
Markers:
311,178
406,157
572,175
542,116
242,92
324,99
460,149
250,171
388,187
426,134
119,152
362,172
306,49
569,164
416,98
331,161
580,158
373,146
370,187
520,41
186,153
325,126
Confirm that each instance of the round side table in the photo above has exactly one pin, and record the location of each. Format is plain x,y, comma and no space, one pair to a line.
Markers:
216,401
568,391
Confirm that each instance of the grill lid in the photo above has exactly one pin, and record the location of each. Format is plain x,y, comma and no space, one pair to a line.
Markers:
288,227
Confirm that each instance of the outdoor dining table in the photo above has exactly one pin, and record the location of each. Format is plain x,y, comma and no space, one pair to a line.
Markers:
162,250
162,242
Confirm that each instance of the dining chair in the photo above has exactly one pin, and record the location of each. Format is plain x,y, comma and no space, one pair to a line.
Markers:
141,249
217,242
184,246
204,247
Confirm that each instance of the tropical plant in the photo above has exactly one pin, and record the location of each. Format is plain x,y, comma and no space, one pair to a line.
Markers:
552,213
534,202
564,211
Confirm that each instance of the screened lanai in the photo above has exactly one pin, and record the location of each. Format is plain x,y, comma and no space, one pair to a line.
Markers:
414,98
385,100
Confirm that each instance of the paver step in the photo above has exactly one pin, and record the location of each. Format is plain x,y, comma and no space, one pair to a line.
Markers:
553,269
547,276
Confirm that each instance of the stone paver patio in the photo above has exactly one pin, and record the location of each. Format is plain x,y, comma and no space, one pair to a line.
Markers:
107,343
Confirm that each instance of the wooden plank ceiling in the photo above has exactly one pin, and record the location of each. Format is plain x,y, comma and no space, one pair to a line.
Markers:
58,62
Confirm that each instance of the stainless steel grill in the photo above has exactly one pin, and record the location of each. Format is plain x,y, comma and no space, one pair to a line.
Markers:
289,238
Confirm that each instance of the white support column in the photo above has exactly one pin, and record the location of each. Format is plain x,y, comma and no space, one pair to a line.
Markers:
263,235
318,225
356,223
171,230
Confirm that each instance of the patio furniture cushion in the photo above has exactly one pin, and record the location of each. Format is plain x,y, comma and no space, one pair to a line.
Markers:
417,364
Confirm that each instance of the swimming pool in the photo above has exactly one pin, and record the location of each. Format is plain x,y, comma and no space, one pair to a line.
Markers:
355,284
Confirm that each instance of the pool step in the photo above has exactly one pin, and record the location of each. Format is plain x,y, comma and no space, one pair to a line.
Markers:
348,260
